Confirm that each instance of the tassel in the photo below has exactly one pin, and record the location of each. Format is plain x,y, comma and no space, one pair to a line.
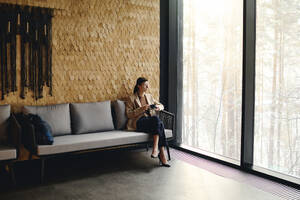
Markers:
12,35
24,40
34,26
2,46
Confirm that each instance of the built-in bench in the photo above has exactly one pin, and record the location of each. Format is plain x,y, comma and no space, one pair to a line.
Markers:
79,127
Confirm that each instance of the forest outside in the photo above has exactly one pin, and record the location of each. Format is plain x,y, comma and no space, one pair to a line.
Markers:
212,75
212,80
277,92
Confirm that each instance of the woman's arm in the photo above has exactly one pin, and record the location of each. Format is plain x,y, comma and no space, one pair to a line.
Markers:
133,112
158,105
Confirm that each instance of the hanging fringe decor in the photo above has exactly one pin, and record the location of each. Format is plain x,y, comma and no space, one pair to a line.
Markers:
8,30
34,26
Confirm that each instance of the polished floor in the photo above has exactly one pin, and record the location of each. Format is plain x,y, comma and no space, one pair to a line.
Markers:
267,185
125,175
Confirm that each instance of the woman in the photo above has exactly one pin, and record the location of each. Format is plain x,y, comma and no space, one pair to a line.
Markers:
141,112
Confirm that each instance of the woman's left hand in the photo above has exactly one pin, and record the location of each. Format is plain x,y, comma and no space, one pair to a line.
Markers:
157,108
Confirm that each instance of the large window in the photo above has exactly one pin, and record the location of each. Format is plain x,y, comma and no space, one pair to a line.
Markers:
277,92
212,75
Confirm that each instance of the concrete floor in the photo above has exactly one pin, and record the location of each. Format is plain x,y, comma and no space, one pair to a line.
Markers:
126,175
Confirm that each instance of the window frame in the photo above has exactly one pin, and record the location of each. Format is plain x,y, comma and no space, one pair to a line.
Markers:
175,87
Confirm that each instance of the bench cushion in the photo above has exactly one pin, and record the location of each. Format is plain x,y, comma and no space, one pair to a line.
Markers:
70,143
57,116
120,117
91,117
7,153
4,115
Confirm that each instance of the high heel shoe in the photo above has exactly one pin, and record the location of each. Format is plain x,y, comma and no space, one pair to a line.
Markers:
154,155
161,163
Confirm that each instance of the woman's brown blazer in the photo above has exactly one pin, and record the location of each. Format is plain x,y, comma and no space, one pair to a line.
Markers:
134,109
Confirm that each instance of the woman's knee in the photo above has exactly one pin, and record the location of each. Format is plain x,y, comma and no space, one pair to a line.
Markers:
155,120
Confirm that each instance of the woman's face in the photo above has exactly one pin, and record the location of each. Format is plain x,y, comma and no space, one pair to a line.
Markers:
144,86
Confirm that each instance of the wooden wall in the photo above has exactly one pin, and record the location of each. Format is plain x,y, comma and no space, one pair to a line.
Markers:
100,48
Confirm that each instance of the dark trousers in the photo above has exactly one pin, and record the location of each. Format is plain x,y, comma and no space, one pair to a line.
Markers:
153,125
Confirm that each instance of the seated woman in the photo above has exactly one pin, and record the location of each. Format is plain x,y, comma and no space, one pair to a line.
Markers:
141,112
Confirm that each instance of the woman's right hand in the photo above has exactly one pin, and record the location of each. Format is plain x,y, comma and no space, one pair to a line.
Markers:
145,107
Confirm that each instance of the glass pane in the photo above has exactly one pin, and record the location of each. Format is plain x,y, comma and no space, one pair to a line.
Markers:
277,101
212,75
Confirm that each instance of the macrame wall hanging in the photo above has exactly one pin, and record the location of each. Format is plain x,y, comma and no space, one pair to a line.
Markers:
33,24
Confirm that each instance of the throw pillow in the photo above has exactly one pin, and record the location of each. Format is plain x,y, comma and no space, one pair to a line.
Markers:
91,117
57,116
120,117
4,116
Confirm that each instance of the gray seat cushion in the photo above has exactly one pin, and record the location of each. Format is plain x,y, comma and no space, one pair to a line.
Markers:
7,153
4,115
91,117
120,117
70,143
57,116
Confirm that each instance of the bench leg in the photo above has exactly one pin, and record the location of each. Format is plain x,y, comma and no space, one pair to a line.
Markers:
168,150
30,156
147,147
42,170
12,173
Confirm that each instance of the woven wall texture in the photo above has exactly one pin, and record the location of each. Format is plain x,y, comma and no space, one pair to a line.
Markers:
100,48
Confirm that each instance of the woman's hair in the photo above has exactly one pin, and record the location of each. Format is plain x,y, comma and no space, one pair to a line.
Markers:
139,81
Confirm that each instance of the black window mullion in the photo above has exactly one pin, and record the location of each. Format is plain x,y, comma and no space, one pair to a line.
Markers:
175,86
248,98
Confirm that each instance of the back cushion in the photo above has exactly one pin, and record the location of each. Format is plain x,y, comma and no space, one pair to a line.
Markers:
91,117
120,118
57,116
4,115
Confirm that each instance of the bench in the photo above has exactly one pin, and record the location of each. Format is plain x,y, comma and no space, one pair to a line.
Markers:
80,127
